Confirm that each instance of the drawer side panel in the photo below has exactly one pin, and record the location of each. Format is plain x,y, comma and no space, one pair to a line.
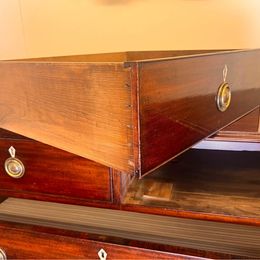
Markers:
83,108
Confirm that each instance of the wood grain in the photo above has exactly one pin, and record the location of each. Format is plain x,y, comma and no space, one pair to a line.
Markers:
152,55
221,238
122,56
131,111
4,134
28,242
50,171
218,183
58,176
154,251
248,124
120,182
78,107
177,101
245,130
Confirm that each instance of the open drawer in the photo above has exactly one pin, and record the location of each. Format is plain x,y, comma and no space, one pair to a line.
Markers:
130,111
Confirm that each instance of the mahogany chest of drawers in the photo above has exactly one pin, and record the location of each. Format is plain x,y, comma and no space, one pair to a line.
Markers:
96,130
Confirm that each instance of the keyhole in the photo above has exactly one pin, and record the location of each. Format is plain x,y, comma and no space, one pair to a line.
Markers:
102,254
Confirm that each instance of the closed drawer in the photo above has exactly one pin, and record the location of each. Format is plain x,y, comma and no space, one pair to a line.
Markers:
30,242
53,174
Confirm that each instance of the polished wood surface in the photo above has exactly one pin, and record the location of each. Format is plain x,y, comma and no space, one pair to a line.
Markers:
147,55
123,56
242,135
4,134
120,183
83,108
245,139
177,101
249,124
53,172
204,184
31,242
58,176
227,239
54,175
131,111
246,130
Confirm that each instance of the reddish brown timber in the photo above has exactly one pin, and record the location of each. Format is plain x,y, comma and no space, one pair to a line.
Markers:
83,108
178,100
54,173
223,238
247,124
131,111
202,184
35,242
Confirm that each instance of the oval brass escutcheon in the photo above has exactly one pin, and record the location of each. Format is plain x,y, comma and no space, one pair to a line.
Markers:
14,168
2,255
223,98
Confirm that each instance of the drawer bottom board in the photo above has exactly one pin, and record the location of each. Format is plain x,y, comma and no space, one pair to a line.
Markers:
215,185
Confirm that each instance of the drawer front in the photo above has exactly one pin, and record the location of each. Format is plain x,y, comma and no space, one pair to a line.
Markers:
244,134
54,173
249,123
178,100
27,243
